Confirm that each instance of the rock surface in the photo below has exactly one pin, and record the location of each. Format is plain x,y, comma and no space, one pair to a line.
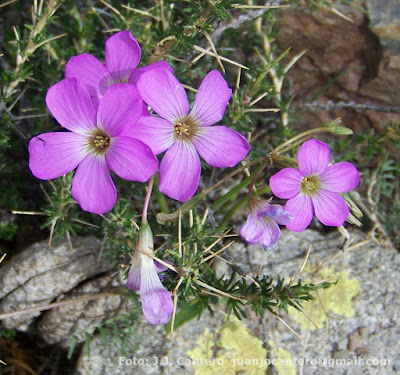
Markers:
40,274
61,324
357,328
348,70
385,21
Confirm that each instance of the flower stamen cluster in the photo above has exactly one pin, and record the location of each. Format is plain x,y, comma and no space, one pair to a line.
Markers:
182,129
100,142
310,185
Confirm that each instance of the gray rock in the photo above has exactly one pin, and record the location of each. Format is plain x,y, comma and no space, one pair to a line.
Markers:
61,324
41,273
385,21
370,333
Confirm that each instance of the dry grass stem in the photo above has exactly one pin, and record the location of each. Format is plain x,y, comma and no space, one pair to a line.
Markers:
302,266
241,6
7,3
214,50
207,249
289,327
190,88
29,213
219,292
256,100
340,14
305,314
115,10
56,304
260,110
213,254
175,296
209,53
142,12
180,233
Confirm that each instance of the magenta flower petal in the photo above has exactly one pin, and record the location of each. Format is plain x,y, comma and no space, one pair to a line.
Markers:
251,230
120,106
264,232
286,183
157,305
69,102
180,171
88,70
164,94
261,226
52,155
275,212
122,56
330,208
270,234
157,302
301,208
340,177
131,159
92,185
313,157
134,275
220,146
211,100
156,132
157,65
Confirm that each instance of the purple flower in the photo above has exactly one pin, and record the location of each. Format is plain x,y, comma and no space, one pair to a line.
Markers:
184,134
315,187
122,57
261,226
157,304
94,143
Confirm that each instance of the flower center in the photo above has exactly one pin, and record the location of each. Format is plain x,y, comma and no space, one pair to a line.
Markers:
99,142
182,129
185,128
310,185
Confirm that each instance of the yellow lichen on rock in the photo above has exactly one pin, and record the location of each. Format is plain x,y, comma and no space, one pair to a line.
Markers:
282,360
237,351
335,300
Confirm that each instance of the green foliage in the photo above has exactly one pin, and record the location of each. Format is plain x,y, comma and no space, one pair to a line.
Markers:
34,58
7,333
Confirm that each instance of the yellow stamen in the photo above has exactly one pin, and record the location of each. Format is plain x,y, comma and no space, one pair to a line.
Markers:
310,185
101,141
182,129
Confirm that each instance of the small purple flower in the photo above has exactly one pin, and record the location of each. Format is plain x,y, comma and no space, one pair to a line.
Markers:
315,187
157,304
185,134
261,226
122,56
94,144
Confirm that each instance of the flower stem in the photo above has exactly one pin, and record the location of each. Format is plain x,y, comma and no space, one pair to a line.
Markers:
329,127
225,198
147,200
